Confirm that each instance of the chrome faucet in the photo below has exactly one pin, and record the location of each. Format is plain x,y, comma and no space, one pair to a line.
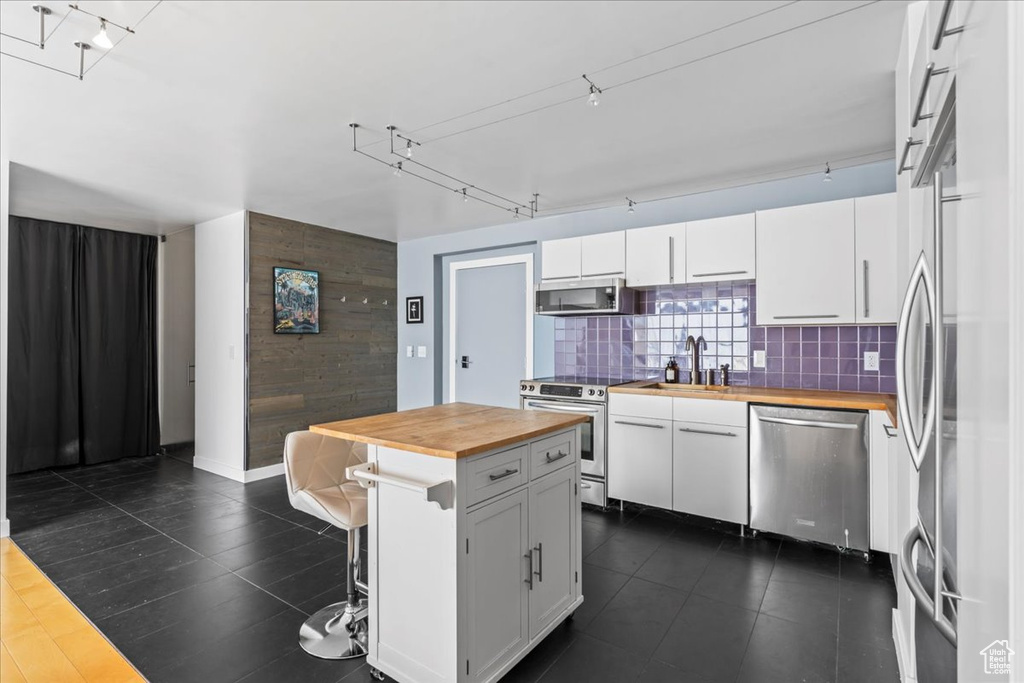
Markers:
695,345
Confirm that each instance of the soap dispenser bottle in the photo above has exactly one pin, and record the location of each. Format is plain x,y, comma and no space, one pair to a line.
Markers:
671,371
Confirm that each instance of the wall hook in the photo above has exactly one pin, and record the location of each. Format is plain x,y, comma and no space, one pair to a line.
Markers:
365,301
342,299
385,302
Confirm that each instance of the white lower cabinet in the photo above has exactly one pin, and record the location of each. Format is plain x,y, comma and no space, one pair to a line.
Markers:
640,459
498,601
709,471
882,476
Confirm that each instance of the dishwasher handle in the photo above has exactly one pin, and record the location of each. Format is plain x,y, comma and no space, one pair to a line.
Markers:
807,423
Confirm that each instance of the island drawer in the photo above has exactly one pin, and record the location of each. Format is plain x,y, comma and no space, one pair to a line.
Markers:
497,473
552,453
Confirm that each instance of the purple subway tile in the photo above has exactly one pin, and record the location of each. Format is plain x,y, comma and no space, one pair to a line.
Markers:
791,380
775,349
773,379
809,349
887,385
774,334
791,364
791,350
774,364
887,333
830,334
847,334
848,383
849,366
828,366
887,351
791,334
828,382
868,333
829,350
808,381
808,366
847,349
755,378
887,368
868,384
809,334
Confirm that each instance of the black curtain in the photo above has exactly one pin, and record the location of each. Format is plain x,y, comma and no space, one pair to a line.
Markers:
82,348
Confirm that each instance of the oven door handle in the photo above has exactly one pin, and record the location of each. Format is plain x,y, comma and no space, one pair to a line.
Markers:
560,408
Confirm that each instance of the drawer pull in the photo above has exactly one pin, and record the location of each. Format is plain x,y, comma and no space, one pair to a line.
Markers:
506,473
706,431
547,456
639,424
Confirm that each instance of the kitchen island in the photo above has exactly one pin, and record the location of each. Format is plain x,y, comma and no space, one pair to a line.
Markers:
474,536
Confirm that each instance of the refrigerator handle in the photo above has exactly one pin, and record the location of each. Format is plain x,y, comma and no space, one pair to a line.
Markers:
917,438
913,537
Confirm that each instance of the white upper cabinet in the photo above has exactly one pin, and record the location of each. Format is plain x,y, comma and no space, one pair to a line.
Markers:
876,259
805,256
655,256
561,259
604,255
720,249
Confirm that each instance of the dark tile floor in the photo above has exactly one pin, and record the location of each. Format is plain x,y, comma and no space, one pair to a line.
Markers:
198,578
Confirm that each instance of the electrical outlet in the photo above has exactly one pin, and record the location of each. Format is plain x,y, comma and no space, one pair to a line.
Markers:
421,351
759,358
408,352
871,361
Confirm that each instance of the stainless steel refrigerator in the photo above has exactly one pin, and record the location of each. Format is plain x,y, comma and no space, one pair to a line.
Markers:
927,397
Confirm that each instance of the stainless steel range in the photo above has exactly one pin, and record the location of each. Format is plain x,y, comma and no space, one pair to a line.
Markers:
585,396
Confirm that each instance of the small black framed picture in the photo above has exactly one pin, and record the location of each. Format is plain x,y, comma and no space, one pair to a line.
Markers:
413,309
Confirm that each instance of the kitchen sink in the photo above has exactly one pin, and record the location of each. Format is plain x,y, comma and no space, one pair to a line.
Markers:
695,388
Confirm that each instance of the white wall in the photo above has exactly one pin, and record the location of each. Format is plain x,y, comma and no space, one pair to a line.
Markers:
5,196
176,303
422,262
220,304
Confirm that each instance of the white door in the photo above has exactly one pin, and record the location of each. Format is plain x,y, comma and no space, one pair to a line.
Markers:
560,259
491,330
498,571
709,471
720,249
651,257
552,518
805,264
640,460
604,255
876,259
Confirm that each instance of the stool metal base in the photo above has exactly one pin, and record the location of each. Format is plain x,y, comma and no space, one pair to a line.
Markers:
337,631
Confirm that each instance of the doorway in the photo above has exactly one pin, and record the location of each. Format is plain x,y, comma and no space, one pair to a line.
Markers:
490,329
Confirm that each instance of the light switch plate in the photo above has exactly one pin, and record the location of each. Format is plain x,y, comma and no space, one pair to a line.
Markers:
421,351
759,358
408,352
871,361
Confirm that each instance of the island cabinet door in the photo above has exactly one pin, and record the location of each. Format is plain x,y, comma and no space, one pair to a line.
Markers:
552,532
498,571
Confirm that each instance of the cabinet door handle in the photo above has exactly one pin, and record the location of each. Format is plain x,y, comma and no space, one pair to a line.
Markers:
639,424
706,431
540,562
529,570
865,288
942,31
724,272
558,457
808,423
506,473
911,142
890,431
800,317
611,272
929,71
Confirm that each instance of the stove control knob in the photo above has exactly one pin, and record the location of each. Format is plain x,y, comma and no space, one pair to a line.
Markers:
600,392
591,392
522,387
531,387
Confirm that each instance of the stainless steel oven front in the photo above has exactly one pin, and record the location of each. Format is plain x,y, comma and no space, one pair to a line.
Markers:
593,442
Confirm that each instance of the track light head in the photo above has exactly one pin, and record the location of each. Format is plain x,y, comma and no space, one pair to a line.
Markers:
465,197
408,149
595,97
101,39
398,169
516,214
828,174
630,205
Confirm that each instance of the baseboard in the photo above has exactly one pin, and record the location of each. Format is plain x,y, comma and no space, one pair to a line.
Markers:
235,474
902,654
5,528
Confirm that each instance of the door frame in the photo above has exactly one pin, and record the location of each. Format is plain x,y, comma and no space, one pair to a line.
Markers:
453,270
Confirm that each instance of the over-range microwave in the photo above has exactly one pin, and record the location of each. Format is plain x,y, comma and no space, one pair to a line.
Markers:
607,296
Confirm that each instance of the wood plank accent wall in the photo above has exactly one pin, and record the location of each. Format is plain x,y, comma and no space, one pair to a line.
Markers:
350,368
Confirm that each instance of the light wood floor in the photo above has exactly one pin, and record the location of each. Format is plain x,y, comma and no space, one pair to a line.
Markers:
43,637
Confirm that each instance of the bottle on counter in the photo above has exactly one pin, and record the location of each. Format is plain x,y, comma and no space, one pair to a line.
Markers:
672,371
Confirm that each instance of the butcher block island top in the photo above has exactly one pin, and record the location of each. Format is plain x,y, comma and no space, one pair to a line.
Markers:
810,398
452,430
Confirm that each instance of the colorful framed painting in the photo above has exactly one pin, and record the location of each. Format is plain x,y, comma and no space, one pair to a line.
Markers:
296,301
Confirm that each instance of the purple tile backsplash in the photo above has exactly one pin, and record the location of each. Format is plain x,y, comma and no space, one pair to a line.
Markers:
639,346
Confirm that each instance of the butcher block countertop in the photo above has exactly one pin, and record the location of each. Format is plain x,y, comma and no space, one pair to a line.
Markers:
452,430
808,398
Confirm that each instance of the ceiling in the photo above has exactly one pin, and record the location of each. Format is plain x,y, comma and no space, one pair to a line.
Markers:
213,107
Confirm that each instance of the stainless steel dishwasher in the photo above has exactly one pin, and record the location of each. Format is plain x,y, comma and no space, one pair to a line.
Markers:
809,474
